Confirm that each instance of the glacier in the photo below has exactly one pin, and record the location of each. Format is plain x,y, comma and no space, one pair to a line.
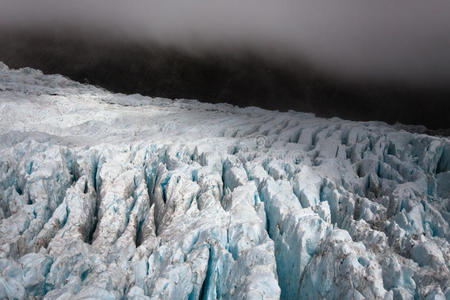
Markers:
112,196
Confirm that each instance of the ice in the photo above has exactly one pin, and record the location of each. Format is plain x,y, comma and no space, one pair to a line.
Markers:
343,269
110,196
307,186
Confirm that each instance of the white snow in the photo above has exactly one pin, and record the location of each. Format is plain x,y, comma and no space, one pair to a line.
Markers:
109,196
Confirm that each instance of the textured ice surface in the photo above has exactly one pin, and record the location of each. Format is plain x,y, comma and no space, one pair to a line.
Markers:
108,196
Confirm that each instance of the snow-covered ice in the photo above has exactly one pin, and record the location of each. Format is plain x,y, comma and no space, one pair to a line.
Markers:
110,196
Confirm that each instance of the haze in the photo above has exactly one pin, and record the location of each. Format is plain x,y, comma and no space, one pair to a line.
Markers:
404,40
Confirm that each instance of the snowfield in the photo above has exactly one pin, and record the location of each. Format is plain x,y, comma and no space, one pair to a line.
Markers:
109,196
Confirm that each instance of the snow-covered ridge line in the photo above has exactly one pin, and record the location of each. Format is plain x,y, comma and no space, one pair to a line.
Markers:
22,80
106,198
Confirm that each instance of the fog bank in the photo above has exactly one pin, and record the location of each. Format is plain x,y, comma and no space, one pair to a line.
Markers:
402,41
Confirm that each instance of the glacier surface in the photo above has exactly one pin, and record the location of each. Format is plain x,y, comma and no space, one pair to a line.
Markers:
111,196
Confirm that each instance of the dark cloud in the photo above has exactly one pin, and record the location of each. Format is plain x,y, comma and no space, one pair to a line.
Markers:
403,40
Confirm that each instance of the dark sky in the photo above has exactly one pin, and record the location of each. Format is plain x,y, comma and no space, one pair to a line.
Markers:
356,59
404,40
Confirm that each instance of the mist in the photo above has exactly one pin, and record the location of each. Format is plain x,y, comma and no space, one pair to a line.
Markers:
355,59
403,41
